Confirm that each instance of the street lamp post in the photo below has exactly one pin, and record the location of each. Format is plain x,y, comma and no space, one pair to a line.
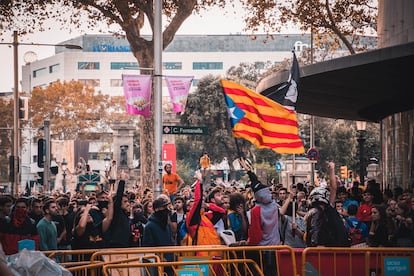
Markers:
64,166
361,128
107,159
16,127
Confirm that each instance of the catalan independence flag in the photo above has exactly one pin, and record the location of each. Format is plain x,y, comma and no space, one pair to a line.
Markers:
261,121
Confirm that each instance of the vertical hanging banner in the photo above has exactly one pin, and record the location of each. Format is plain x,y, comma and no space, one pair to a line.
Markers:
137,92
178,88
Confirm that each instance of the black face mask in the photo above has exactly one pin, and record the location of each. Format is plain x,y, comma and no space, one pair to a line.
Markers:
102,204
162,216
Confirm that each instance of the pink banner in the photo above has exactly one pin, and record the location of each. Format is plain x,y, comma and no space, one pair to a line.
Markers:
178,88
137,92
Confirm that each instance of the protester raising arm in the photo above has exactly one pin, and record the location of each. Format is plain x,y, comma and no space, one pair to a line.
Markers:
81,226
110,213
333,186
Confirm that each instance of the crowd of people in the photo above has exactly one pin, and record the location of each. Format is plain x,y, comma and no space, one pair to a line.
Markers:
189,214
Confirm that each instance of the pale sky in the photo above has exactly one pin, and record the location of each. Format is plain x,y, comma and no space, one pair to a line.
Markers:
211,22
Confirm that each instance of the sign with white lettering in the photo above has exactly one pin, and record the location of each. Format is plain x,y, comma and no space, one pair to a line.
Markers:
185,130
397,266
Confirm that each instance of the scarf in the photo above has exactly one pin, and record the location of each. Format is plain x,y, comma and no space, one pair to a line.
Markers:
19,217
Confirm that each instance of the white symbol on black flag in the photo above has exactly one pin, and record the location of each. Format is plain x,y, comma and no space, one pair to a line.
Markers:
287,93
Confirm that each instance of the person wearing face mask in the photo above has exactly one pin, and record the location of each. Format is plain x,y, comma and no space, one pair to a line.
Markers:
20,227
157,232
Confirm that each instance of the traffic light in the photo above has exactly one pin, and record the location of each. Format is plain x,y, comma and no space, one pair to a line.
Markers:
11,168
41,152
344,172
350,175
23,108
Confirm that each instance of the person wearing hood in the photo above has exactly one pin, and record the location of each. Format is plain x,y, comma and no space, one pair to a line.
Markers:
264,223
157,232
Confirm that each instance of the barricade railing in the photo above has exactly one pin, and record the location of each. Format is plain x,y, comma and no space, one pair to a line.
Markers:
214,267
96,268
266,257
356,261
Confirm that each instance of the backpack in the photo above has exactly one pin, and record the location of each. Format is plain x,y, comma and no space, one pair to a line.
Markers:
338,234
355,233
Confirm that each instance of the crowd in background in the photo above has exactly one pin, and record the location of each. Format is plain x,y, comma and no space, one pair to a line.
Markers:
189,214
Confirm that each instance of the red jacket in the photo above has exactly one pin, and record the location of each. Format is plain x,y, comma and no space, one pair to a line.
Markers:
10,235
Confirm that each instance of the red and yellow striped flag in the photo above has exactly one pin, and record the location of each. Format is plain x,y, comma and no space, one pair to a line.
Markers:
261,121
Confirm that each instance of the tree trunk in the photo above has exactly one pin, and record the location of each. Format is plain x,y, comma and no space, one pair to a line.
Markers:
148,167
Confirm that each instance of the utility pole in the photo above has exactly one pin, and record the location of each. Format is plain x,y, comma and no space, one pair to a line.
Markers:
46,166
16,127
158,94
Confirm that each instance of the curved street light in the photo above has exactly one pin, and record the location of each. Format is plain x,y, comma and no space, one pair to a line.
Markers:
14,158
64,166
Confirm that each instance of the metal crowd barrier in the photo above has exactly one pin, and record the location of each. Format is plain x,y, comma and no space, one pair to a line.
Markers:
214,267
266,258
357,261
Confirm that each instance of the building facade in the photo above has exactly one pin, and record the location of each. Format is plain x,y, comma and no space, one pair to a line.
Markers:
104,58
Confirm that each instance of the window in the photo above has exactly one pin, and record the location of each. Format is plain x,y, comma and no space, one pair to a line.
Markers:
90,82
207,65
124,65
88,65
39,72
54,68
194,82
116,82
172,65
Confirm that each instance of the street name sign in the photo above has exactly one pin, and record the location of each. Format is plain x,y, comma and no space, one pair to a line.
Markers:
185,130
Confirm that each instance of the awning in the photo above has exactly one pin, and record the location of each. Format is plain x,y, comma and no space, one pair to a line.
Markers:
367,86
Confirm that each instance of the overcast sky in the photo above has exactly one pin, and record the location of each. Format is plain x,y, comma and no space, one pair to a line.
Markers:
211,22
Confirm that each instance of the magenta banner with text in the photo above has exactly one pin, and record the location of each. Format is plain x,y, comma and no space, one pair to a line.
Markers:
178,88
137,92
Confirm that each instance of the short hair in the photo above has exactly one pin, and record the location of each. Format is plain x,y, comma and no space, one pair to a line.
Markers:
352,209
283,189
212,193
100,193
341,189
179,198
47,204
4,199
22,199
63,201
236,199
35,200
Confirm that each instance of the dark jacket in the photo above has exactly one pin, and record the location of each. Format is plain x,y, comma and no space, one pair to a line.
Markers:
119,230
11,235
155,234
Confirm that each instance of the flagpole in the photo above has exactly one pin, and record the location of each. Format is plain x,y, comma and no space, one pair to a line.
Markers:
293,170
238,149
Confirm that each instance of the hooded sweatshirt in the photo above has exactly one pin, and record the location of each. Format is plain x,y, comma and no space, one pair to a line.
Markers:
264,225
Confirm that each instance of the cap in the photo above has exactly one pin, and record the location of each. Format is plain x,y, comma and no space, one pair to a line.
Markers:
161,201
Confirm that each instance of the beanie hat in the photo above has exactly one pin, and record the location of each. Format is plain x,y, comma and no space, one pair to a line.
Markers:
258,186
